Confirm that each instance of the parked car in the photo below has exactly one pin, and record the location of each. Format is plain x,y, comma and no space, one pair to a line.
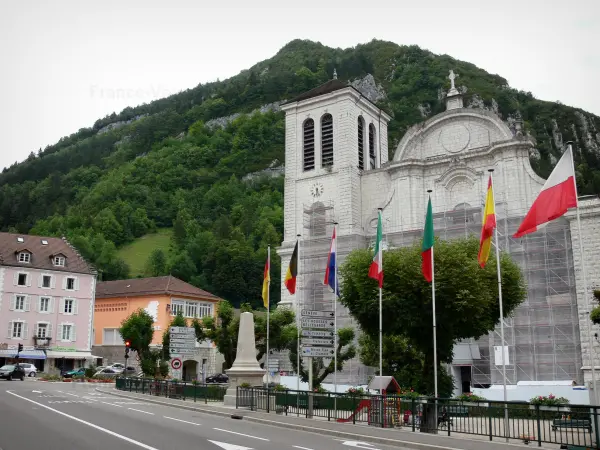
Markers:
30,369
11,371
218,378
107,373
74,373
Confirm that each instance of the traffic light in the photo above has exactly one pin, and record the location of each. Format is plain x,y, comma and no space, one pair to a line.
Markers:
20,348
127,346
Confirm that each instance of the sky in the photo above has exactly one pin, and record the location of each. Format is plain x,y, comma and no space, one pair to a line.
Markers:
66,63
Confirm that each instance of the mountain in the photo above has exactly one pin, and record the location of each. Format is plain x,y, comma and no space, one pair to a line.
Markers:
207,162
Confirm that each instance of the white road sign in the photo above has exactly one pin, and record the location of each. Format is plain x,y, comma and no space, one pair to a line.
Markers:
311,341
182,330
186,340
317,333
317,351
317,323
310,313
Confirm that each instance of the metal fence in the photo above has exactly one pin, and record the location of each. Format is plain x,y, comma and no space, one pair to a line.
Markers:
575,425
172,389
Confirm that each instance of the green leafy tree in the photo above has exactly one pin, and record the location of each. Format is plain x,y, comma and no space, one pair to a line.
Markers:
345,351
156,265
138,329
466,298
282,331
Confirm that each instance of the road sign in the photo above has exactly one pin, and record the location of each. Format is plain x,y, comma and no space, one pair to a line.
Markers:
317,323
183,340
176,363
182,330
179,351
317,333
325,342
310,313
317,351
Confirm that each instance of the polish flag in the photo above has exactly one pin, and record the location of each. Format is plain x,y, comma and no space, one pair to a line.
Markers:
556,197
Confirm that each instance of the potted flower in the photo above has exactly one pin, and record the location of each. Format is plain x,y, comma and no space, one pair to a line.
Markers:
550,403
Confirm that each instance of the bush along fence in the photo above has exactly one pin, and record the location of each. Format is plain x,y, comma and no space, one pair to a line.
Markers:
173,389
536,422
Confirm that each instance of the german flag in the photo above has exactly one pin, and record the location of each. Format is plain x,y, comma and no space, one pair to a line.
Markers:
290,275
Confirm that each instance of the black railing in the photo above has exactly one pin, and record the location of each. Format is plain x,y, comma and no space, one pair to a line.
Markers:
172,389
570,425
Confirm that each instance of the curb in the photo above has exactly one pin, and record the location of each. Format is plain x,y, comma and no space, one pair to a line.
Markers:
311,429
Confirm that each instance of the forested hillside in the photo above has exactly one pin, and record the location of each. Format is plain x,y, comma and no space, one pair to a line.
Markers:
171,164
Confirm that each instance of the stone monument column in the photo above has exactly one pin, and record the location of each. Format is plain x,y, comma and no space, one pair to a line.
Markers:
245,368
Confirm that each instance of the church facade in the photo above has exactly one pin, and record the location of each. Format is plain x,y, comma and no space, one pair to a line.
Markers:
337,172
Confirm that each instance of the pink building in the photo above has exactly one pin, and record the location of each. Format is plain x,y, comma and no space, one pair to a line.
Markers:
46,302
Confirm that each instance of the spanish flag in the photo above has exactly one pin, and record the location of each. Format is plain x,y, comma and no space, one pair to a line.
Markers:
292,271
266,281
489,224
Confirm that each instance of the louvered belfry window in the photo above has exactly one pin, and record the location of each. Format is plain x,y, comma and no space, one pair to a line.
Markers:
309,144
327,141
372,145
361,143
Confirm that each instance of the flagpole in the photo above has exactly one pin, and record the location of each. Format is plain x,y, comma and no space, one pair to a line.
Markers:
380,317
435,365
335,336
298,326
268,307
498,271
585,285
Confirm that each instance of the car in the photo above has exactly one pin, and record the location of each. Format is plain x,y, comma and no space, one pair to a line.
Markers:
75,373
108,372
218,378
30,369
10,371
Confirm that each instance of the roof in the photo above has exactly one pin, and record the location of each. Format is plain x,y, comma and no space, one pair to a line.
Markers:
42,250
135,287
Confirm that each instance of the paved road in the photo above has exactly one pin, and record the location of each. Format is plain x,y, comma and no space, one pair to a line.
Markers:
62,416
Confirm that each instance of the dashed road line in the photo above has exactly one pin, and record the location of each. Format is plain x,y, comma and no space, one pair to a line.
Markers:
140,411
240,434
179,420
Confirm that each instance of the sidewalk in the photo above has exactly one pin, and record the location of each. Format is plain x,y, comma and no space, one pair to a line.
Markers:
395,437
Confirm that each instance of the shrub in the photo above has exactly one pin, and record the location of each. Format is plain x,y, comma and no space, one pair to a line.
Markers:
550,400
356,391
470,397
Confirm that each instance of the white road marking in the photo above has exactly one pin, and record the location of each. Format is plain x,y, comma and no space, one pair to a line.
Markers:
89,424
240,434
140,411
179,420
303,448
68,393
37,392
227,446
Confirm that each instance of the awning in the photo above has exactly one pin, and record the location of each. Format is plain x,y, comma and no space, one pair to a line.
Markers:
69,355
465,353
8,353
32,354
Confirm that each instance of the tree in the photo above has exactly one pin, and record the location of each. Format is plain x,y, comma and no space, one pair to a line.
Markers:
595,312
156,265
466,298
138,329
282,331
345,351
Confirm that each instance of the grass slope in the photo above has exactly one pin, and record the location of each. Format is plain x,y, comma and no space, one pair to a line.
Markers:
136,254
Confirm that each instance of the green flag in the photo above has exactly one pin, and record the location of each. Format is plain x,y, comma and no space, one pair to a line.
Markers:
426,251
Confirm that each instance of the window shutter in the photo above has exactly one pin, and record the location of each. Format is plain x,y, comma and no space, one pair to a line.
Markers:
16,278
61,308
49,330
27,303
73,335
74,306
24,330
76,284
52,281
40,281
28,278
64,284
13,303
10,327
59,332
51,305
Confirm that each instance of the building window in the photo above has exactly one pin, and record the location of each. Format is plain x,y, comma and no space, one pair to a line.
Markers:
46,281
111,336
25,257
70,284
67,332
361,143
177,306
44,329
191,309
18,330
309,144
44,304
22,279
19,303
59,261
69,306
372,145
327,140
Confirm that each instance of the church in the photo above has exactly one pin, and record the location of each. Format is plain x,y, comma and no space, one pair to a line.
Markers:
337,171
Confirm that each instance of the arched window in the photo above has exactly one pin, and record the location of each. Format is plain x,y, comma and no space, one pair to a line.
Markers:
361,143
326,141
372,146
308,141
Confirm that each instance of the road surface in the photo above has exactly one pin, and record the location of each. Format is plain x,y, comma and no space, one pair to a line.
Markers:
65,416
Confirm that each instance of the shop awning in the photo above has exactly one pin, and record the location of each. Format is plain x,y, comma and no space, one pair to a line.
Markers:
69,355
8,353
32,354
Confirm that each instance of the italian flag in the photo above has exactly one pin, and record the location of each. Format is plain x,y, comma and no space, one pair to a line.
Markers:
427,249
376,268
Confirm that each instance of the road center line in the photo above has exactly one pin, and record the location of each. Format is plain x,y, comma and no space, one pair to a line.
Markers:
179,420
89,424
240,434
106,403
140,411
303,448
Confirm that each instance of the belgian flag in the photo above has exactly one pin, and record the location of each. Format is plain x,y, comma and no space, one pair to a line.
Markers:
292,271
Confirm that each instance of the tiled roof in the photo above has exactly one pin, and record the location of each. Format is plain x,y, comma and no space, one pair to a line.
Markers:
150,286
42,250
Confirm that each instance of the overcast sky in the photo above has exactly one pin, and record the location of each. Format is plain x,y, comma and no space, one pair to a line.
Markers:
61,62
